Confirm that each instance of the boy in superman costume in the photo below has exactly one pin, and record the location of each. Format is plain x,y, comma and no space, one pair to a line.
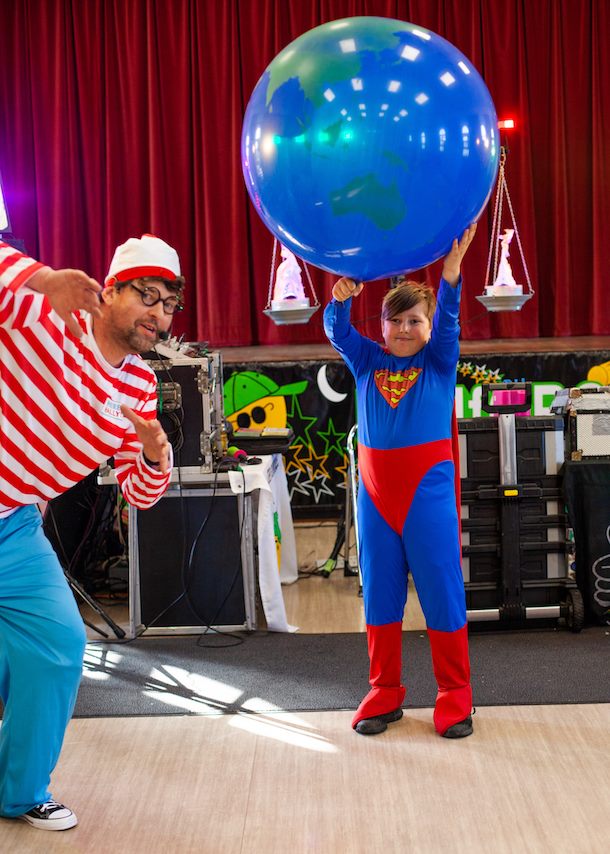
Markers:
407,510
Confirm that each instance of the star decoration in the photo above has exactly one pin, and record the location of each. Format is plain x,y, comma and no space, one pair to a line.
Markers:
315,486
301,424
333,439
495,376
319,486
480,373
296,463
298,483
315,464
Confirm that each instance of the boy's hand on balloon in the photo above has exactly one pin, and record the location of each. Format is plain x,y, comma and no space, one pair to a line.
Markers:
346,288
453,260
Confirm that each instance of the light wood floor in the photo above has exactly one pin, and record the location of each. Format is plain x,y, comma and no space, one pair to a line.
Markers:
531,779
320,605
324,605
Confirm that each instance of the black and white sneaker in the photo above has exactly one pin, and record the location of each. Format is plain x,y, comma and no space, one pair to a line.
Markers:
50,816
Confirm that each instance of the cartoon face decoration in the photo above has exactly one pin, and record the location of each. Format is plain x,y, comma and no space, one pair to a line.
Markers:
265,412
253,401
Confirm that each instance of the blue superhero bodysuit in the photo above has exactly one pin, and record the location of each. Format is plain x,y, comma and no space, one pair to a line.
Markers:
407,510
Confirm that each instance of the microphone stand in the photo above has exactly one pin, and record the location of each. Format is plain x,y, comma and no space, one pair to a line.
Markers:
78,588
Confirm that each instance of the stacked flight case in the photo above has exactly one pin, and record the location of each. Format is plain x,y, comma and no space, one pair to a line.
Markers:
190,407
191,555
513,521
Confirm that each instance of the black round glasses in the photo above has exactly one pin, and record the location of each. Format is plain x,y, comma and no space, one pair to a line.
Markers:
151,296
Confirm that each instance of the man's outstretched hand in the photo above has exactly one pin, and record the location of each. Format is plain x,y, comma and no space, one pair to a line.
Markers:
68,291
155,443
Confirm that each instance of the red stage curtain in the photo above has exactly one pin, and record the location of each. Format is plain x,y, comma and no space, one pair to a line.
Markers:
119,117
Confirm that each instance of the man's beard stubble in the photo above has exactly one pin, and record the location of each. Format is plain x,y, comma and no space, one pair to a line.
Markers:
136,342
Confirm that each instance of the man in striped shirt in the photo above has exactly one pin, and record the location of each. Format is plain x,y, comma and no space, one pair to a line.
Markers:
74,391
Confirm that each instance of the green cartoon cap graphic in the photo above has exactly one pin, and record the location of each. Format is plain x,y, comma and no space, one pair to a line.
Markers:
246,387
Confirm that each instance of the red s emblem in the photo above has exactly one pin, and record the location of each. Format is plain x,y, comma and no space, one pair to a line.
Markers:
394,385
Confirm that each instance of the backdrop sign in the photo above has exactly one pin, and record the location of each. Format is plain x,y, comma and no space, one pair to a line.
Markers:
316,399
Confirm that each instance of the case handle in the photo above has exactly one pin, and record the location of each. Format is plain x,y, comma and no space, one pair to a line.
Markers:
505,408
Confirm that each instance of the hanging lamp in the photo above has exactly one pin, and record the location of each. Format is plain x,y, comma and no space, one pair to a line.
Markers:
287,302
503,293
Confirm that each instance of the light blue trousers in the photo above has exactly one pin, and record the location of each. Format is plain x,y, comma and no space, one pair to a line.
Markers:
42,641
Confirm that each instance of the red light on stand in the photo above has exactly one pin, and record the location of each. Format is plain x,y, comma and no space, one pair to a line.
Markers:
506,124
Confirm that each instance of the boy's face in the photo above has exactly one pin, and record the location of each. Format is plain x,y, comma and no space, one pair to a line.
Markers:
406,333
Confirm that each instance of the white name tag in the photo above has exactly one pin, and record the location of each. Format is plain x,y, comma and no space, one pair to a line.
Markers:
113,410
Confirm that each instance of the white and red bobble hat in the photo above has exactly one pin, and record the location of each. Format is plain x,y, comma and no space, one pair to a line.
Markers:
146,256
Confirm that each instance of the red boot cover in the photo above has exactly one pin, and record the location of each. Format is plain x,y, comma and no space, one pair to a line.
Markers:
452,671
385,657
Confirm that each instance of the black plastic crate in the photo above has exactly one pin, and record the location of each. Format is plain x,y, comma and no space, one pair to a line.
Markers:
539,441
513,535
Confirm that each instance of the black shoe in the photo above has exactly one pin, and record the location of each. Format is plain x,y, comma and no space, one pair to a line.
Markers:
460,730
373,726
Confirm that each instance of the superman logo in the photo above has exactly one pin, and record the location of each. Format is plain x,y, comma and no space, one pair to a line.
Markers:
394,385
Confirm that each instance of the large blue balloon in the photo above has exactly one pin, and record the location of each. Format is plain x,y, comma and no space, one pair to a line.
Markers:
369,144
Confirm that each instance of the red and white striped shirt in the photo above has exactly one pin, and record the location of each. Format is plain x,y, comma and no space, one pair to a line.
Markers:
60,401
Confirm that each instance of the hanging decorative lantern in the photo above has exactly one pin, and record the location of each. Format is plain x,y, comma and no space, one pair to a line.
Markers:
503,293
289,303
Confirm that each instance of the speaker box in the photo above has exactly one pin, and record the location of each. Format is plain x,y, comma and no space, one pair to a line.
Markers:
191,563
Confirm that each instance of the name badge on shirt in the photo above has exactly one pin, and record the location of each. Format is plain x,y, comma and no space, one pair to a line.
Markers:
113,410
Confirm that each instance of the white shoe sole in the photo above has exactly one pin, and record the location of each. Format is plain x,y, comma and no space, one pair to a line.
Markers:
50,823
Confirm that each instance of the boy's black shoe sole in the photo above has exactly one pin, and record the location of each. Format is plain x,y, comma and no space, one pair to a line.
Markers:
460,730
373,726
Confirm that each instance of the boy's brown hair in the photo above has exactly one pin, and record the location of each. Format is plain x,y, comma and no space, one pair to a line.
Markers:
405,296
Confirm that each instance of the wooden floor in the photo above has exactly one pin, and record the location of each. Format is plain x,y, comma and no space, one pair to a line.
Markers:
531,779
320,605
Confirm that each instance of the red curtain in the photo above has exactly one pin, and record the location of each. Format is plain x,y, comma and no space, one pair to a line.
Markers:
119,117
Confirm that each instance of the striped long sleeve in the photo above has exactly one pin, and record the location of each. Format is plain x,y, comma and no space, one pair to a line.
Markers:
60,401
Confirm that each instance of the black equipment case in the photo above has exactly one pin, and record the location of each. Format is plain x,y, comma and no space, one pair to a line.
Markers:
513,520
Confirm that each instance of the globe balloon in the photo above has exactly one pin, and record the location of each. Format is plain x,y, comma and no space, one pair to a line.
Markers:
368,144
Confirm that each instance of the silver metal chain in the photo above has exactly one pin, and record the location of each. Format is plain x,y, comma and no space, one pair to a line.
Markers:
316,302
496,227
272,272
